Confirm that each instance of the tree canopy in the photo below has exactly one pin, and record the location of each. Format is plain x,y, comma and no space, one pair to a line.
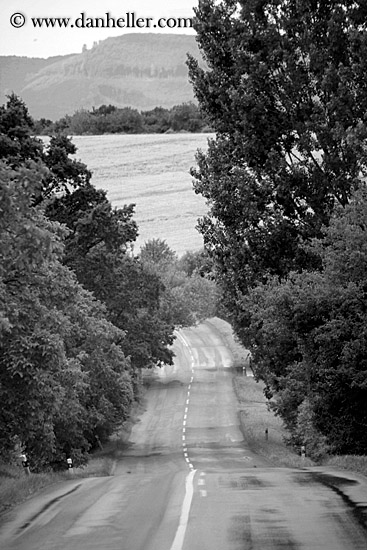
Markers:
308,336
285,94
58,353
284,90
80,316
188,292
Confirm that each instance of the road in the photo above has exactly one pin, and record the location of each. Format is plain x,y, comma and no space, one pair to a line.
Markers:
187,481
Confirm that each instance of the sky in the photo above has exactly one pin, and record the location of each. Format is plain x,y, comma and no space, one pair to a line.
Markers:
19,36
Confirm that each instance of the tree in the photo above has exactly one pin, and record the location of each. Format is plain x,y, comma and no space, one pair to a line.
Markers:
186,117
18,146
197,262
97,249
17,143
65,174
131,294
157,253
156,121
285,93
81,122
63,376
308,335
92,222
187,295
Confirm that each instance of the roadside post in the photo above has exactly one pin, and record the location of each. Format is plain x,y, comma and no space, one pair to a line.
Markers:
25,464
70,465
303,452
266,434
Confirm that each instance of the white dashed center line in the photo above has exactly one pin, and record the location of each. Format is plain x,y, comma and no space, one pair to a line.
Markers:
184,422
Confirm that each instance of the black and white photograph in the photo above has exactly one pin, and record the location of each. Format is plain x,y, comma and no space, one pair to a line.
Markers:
183,275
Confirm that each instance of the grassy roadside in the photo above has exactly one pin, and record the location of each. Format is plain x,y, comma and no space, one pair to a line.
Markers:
16,487
255,417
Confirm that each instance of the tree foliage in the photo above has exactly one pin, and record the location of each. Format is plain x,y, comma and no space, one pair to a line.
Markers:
309,336
188,294
285,94
79,315
284,90
109,119
63,378
98,248
17,143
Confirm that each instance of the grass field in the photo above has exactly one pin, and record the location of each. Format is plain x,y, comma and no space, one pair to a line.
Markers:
151,171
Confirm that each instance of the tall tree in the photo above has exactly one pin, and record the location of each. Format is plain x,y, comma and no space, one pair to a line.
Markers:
286,95
308,334
65,174
99,236
17,142
19,145
98,250
63,376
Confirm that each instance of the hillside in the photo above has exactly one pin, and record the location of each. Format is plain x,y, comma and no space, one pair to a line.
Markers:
138,70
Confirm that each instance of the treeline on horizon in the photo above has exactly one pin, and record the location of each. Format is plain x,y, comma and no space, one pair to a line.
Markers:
109,119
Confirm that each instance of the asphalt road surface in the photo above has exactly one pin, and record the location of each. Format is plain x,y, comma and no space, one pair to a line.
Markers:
187,480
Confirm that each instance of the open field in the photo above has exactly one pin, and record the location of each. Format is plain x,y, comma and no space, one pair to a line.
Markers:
151,171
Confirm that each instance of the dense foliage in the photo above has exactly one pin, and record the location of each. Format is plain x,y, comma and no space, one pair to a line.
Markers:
309,338
285,93
109,119
189,294
80,316
63,378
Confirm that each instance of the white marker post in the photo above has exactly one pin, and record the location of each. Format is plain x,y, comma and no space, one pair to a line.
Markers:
70,465
25,464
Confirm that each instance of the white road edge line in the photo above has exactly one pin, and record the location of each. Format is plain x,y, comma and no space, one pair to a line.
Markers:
185,511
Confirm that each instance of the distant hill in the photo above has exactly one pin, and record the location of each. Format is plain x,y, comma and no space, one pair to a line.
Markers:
137,70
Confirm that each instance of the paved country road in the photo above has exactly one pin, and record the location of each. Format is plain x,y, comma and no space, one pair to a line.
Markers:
187,480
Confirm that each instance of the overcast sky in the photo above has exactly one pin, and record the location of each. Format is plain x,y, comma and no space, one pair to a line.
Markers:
45,42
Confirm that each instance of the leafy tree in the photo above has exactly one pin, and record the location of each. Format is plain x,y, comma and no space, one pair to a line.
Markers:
187,296
17,143
309,338
81,122
109,119
156,121
186,117
92,222
97,249
132,297
156,252
285,93
43,126
126,121
197,262
104,110
65,174
63,377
